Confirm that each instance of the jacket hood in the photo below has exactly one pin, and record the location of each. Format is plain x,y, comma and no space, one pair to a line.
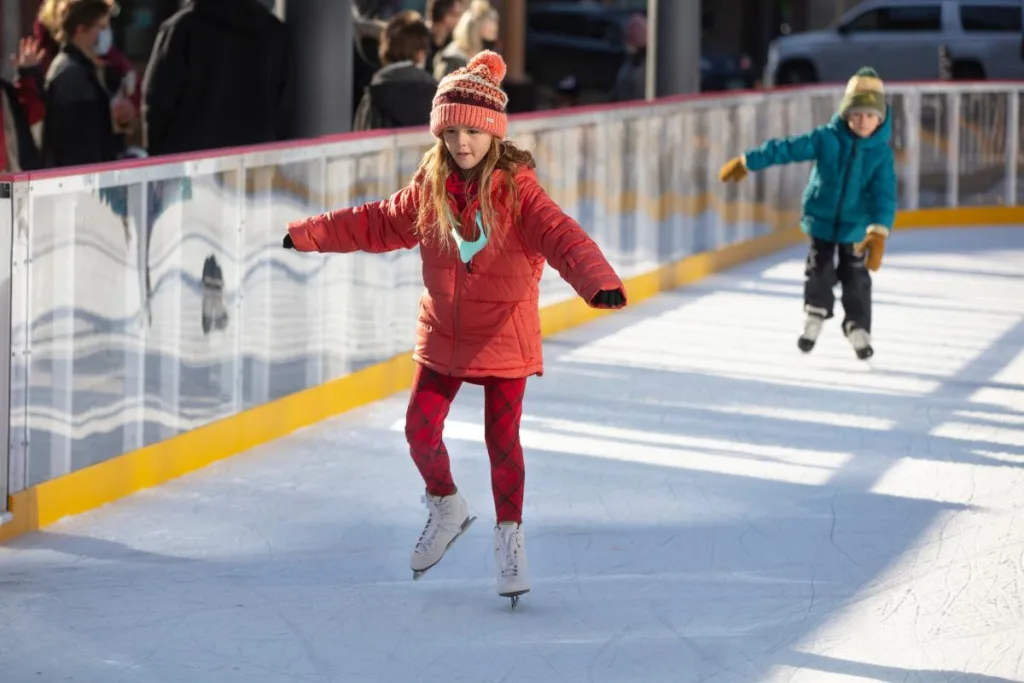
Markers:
402,71
245,15
404,93
880,138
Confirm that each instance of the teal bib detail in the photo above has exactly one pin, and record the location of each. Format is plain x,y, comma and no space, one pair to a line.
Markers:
467,250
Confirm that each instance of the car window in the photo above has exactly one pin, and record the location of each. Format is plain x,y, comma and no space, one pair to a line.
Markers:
553,22
991,18
577,26
909,18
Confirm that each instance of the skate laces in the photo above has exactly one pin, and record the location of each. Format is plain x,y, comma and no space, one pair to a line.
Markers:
508,548
432,526
440,518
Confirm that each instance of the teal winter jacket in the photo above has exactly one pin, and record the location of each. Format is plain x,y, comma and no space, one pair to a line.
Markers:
852,183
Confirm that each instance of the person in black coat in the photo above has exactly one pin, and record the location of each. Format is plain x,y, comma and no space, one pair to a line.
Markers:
400,95
79,124
220,75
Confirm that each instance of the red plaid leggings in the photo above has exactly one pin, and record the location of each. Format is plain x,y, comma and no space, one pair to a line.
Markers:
432,396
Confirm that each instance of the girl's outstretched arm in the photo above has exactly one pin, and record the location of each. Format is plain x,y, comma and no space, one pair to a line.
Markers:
550,232
374,227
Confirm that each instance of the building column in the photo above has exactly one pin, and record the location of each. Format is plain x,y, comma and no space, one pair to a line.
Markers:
513,38
673,47
522,94
323,45
12,19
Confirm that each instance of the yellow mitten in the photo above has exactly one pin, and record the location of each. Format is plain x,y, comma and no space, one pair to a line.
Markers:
874,245
735,170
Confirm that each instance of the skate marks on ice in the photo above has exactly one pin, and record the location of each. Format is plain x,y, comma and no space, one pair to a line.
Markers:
704,504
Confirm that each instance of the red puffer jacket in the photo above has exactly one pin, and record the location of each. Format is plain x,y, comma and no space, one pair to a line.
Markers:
479,319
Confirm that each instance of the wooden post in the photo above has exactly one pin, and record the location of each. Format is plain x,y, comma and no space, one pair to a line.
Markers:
513,38
522,93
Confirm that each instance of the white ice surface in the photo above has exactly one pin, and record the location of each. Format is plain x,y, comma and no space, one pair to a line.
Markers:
704,503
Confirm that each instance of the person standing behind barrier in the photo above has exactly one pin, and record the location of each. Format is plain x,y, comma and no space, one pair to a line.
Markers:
118,71
21,107
631,80
78,127
442,17
484,227
477,30
221,74
849,205
400,94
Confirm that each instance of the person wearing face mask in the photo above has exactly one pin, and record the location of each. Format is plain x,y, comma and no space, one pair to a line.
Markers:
117,69
118,76
476,31
80,117
631,80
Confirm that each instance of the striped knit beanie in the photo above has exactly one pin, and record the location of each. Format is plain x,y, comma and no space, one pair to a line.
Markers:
864,90
472,97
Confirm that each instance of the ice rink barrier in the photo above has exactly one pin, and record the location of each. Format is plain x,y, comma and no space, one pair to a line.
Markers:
156,325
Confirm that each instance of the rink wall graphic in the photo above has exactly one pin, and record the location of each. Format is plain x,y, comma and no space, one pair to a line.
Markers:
156,325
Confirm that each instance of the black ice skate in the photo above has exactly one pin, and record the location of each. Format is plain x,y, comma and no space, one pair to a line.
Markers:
812,328
860,340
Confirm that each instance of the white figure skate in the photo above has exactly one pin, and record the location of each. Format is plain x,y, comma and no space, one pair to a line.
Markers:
449,518
510,561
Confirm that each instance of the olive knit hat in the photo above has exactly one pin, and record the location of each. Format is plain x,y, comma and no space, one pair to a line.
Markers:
865,92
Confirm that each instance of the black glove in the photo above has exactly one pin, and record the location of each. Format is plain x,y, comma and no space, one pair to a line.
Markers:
608,298
287,242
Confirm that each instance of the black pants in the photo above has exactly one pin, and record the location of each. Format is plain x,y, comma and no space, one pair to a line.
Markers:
822,275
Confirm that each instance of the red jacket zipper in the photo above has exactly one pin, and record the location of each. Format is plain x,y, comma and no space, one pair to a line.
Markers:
458,281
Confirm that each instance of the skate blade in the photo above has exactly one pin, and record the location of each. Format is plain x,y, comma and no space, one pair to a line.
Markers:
514,596
417,573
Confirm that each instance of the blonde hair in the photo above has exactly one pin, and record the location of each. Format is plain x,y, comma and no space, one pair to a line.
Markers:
434,220
51,16
466,34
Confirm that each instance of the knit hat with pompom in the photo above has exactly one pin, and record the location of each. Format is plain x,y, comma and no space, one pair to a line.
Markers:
864,91
472,97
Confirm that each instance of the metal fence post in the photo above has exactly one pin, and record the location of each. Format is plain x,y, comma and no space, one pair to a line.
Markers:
1012,145
912,179
953,100
6,253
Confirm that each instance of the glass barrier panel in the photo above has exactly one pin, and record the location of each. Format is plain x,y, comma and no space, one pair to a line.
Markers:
149,301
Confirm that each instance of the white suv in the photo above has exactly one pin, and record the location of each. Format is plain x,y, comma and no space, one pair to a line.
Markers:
901,39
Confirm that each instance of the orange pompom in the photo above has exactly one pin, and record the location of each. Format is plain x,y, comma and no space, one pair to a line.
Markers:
493,61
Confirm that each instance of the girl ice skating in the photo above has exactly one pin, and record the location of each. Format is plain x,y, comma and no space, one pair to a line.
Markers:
848,206
484,227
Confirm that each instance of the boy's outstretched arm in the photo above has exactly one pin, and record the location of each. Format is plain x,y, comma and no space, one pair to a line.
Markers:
547,230
881,191
773,152
374,227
